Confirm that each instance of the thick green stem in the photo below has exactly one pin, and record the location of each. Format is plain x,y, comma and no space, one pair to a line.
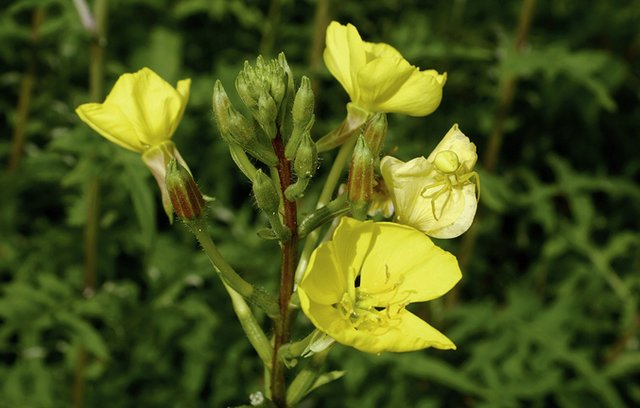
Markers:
330,184
306,378
229,276
321,216
287,275
250,325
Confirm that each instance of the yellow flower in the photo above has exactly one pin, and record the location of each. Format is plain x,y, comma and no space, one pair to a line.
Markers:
377,77
436,195
357,285
141,111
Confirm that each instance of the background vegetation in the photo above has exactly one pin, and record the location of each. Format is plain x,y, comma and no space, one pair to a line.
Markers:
104,304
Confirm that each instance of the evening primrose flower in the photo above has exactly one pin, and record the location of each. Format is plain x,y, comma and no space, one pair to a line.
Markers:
141,113
377,77
436,195
357,285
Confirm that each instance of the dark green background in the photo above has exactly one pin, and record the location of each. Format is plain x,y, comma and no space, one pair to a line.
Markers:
546,314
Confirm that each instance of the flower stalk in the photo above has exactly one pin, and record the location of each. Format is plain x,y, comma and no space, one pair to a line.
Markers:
287,275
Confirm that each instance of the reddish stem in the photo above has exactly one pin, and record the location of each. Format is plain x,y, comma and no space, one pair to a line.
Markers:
287,274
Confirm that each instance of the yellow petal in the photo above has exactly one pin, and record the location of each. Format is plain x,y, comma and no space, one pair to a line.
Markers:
412,334
380,50
439,204
112,124
344,55
324,288
184,89
409,332
466,202
142,110
406,261
150,103
419,95
379,80
352,242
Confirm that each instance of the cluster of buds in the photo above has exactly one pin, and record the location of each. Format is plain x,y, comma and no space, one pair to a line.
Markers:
267,91
263,89
300,147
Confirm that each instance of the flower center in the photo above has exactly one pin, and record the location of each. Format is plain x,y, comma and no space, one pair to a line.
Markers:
375,312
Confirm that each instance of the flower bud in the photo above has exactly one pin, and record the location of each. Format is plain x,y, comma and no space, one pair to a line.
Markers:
267,112
186,198
288,83
361,178
266,193
236,129
157,159
221,104
302,115
375,132
302,111
263,88
306,160
268,200
245,88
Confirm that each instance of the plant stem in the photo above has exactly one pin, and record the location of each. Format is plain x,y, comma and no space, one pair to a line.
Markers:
252,329
24,97
287,275
325,196
96,80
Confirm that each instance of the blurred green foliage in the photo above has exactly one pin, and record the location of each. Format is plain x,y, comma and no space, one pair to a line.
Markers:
547,311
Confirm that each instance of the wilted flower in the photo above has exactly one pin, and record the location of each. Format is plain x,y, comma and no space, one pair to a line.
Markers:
141,113
436,195
357,285
377,77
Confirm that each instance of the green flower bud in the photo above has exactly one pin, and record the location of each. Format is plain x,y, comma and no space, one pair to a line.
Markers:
306,160
303,103
221,104
304,165
267,112
266,193
268,200
289,88
302,115
361,178
236,129
375,132
186,198
278,83
246,89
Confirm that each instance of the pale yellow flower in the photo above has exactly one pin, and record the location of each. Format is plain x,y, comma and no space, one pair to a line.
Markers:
377,77
437,195
142,110
357,285
141,113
